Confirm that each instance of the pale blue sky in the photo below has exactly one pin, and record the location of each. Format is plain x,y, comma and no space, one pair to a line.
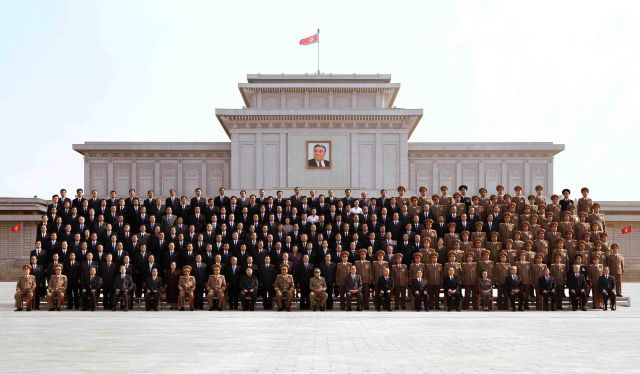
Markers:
75,71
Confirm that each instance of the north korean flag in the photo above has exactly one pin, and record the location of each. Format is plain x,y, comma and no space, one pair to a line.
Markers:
16,228
315,38
626,230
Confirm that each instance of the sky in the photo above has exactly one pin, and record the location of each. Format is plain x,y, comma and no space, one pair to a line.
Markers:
483,71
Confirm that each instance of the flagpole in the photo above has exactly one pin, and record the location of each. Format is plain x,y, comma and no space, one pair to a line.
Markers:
318,51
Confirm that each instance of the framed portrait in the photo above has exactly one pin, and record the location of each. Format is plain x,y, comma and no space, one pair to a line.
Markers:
319,154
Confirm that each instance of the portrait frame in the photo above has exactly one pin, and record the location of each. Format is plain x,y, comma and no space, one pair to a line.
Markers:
311,145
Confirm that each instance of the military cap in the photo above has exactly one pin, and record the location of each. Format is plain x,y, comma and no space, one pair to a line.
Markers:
463,187
26,266
542,231
482,189
596,255
216,266
582,241
531,197
443,188
452,224
477,240
508,240
494,233
362,250
522,252
555,196
553,224
379,252
451,253
582,214
566,213
344,253
401,188
502,254
528,241
516,188
596,204
539,187
417,254
475,197
557,253
584,189
566,190
479,223
433,254
185,268
485,252
456,194
469,253
283,265
465,232
435,197
517,232
429,220
538,254
506,195
399,254
499,187
559,240
422,188
525,223
58,266
615,245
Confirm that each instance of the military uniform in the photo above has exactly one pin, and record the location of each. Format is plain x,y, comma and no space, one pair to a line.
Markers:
470,284
616,266
342,270
318,287
56,290
25,290
595,271
284,287
502,270
524,273
485,290
363,269
434,274
400,277
186,290
216,288
537,271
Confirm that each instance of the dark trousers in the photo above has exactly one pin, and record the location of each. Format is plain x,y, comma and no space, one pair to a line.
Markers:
107,297
453,301
503,300
470,295
383,299
151,299
123,297
419,299
557,298
73,296
199,298
342,290
249,300
366,290
330,299
578,297
267,298
519,295
233,297
434,296
89,299
358,296
305,304
548,298
400,293
608,296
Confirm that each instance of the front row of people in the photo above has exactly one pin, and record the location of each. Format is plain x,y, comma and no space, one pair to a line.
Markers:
285,290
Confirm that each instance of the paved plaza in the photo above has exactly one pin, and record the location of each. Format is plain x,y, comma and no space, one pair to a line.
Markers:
308,342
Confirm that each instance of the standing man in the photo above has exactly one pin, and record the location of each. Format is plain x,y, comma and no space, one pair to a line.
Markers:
400,277
25,288
343,268
615,261
470,282
558,272
363,267
434,280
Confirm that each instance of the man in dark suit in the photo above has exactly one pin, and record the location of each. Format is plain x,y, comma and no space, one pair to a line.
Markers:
201,274
248,290
547,286
353,285
419,289
302,275
608,288
328,271
91,284
153,287
41,289
266,276
72,270
318,160
384,290
108,273
577,285
232,275
452,292
515,289
123,287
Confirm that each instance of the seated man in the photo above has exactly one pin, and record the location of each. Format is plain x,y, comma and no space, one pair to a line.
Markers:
515,289
577,285
485,291
248,290
420,291
607,288
383,290
318,287
25,288
451,287
186,288
91,284
216,287
547,287
123,288
57,288
284,287
153,288
353,286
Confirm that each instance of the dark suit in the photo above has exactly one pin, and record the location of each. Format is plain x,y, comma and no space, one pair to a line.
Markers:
233,283
122,289
302,275
328,271
201,274
420,295
267,276
383,292
73,284
577,285
353,285
153,287
90,291
515,288
313,164
608,290
250,284
547,286
452,293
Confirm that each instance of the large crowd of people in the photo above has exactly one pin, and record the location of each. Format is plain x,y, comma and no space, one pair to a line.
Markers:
323,252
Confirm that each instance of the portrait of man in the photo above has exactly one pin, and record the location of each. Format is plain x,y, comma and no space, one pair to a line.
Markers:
319,154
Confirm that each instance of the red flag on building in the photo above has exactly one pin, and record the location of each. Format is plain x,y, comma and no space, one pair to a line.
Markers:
626,230
315,38
16,228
